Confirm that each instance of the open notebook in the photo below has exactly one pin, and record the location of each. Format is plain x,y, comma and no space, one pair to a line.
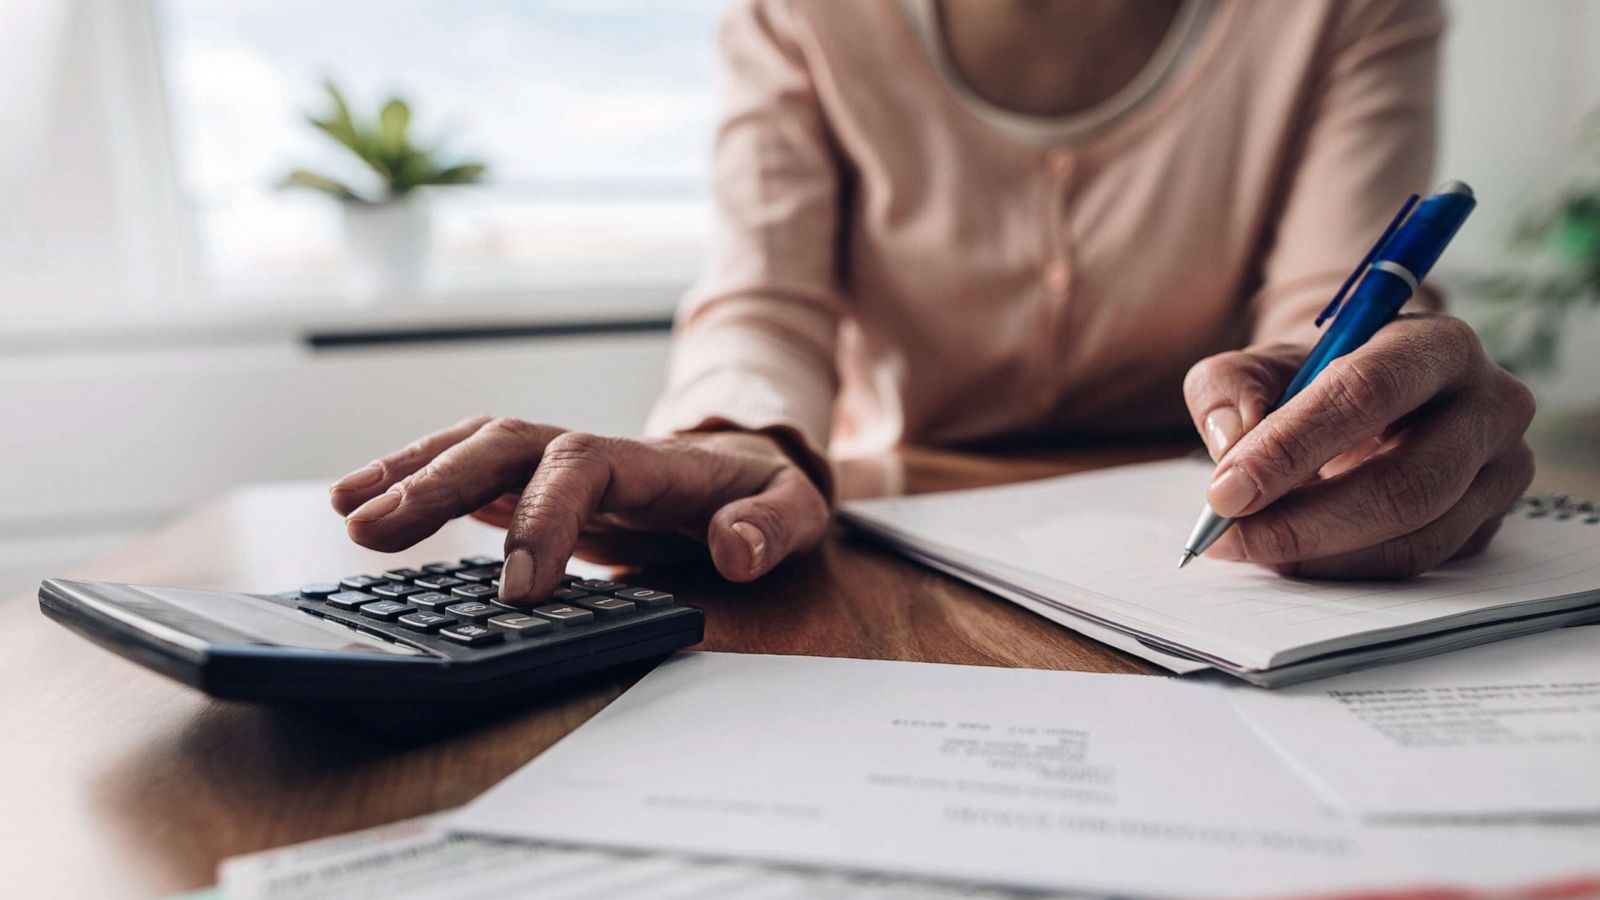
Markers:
1098,549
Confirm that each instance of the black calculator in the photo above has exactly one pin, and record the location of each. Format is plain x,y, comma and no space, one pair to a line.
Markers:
435,635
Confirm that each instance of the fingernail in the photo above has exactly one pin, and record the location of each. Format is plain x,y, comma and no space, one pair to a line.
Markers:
360,478
516,577
1232,492
1223,427
754,539
376,508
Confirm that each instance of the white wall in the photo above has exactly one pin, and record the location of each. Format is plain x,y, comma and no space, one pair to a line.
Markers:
1519,76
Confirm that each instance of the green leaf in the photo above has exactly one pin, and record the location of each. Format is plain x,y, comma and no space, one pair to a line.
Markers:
465,173
392,122
339,124
303,179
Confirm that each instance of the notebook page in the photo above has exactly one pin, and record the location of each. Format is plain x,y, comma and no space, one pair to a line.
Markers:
1108,543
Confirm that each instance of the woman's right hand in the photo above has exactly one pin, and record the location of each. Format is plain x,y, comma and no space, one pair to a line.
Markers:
737,492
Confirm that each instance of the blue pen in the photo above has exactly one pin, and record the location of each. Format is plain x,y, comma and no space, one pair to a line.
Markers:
1383,282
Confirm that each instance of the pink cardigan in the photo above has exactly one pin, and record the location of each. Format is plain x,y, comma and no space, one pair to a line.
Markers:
888,267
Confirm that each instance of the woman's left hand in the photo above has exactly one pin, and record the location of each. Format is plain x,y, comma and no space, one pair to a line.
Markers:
1400,456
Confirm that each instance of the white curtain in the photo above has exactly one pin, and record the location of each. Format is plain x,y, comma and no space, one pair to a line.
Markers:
89,212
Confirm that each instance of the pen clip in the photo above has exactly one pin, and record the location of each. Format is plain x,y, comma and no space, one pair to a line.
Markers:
1361,268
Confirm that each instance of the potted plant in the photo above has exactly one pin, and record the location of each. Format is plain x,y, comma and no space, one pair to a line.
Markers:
386,224
1556,272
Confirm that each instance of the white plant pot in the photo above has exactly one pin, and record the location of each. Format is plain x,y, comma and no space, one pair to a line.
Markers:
388,249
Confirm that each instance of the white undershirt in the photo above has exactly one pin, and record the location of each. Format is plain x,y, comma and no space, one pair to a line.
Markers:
1044,131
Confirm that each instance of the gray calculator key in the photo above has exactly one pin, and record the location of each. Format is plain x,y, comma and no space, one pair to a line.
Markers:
349,599
562,614
645,597
425,621
394,589
432,600
318,590
599,587
472,635
359,582
607,606
387,610
521,624
568,595
438,582
402,574
474,592
472,610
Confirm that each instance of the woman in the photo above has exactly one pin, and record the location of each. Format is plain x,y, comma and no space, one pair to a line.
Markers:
950,220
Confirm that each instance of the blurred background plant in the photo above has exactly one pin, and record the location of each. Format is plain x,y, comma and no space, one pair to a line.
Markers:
383,145
1554,271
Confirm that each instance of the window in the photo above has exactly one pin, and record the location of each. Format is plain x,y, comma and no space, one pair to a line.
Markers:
595,117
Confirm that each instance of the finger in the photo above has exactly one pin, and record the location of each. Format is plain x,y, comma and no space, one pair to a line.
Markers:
1229,393
565,490
1493,494
1408,363
1418,475
751,535
494,460
376,477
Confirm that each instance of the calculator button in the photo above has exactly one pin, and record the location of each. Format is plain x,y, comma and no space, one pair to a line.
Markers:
402,574
395,589
474,592
522,624
387,610
568,595
607,606
562,614
438,582
472,635
318,590
479,575
471,609
443,568
645,597
569,579
359,582
425,621
432,600
599,587
477,562
349,599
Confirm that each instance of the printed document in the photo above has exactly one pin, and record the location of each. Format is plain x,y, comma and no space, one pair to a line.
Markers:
418,860
1505,730
1032,779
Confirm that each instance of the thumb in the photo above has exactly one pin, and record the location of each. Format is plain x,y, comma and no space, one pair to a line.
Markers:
1230,393
752,534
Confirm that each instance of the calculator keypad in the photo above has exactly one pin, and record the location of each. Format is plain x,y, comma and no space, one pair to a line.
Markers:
458,602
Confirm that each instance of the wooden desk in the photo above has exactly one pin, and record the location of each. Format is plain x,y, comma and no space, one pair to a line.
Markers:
117,782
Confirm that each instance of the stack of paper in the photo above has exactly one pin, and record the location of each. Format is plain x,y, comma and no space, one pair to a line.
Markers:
1111,784
1099,550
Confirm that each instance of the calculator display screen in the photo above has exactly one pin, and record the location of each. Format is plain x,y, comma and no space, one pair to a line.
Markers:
187,616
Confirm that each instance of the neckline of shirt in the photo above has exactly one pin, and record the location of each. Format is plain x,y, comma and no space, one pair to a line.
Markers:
1176,48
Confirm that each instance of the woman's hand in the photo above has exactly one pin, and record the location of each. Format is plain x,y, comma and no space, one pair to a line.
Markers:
553,489
1399,456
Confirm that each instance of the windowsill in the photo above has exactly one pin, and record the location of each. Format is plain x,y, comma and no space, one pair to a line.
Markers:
306,318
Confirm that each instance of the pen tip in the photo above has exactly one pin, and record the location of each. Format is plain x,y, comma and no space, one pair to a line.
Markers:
1184,560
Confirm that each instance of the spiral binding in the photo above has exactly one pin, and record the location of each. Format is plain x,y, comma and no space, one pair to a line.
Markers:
1560,506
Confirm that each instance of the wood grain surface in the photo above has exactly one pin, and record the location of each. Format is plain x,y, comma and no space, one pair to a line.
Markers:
117,782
